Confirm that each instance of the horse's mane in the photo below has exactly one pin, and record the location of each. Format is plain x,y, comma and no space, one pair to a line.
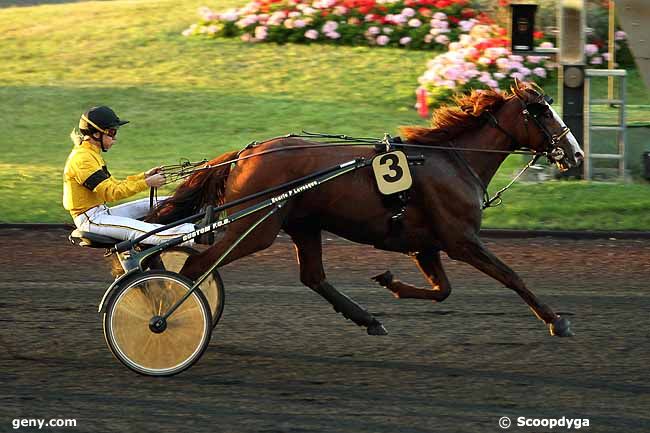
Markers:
449,121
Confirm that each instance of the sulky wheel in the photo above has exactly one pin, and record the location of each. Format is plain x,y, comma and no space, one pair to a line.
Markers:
140,339
173,260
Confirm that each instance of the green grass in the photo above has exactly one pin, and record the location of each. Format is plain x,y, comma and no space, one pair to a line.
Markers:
196,98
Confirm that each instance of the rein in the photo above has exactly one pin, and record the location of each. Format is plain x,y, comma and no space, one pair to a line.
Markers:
185,168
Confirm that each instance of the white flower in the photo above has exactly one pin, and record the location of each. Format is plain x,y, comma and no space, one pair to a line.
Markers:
230,15
260,33
414,22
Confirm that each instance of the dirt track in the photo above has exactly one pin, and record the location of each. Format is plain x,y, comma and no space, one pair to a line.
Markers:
281,360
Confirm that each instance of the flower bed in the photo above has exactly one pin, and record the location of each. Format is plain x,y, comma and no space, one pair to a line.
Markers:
419,24
481,58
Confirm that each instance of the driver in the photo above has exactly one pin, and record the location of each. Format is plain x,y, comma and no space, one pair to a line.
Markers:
88,185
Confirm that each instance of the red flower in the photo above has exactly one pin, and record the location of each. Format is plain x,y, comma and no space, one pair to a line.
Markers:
484,18
504,3
538,35
442,3
501,31
468,13
425,12
453,19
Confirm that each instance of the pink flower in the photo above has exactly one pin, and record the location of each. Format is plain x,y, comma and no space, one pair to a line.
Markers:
333,35
311,34
374,30
340,10
440,16
606,56
466,25
414,22
591,49
299,24
546,45
442,39
503,63
597,60
620,35
405,40
382,40
330,26
408,12
484,61
540,72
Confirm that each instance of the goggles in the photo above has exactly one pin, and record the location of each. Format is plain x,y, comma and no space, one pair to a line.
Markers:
111,132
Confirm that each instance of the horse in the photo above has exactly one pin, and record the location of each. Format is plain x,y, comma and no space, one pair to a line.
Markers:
463,148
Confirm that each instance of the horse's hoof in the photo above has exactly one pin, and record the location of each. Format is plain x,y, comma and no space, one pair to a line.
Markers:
376,328
561,327
384,279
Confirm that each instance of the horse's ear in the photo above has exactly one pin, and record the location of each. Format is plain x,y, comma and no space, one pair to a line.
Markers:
518,89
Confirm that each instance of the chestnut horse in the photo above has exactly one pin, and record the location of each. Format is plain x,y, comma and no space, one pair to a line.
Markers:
443,212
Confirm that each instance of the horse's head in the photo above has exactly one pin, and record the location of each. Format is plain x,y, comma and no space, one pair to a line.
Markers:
541,129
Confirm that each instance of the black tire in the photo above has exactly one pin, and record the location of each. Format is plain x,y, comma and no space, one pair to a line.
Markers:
173,260
128,313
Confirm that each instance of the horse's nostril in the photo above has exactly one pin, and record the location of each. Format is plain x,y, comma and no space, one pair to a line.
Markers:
580,156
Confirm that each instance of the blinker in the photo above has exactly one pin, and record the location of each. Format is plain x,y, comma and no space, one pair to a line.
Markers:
548,100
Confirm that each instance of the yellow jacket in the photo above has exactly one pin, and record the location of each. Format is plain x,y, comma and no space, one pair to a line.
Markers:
87,182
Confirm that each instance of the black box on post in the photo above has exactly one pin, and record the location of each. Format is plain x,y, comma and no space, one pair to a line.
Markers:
522,26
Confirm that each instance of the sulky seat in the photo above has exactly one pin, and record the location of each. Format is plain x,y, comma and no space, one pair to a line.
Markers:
92,240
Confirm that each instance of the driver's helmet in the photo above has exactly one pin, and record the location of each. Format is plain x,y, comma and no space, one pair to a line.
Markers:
100,119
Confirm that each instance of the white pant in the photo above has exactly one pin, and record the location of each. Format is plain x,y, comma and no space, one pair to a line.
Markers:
121,222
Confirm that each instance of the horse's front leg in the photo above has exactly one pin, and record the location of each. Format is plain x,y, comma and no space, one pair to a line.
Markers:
473,252
430,265
309,254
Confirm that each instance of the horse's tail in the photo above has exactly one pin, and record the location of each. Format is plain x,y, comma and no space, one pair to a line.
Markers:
201,188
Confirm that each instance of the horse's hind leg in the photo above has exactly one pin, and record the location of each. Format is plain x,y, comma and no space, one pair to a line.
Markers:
431,267
474,253
312,275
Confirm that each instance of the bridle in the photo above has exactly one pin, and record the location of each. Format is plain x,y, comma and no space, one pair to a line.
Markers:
535,110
